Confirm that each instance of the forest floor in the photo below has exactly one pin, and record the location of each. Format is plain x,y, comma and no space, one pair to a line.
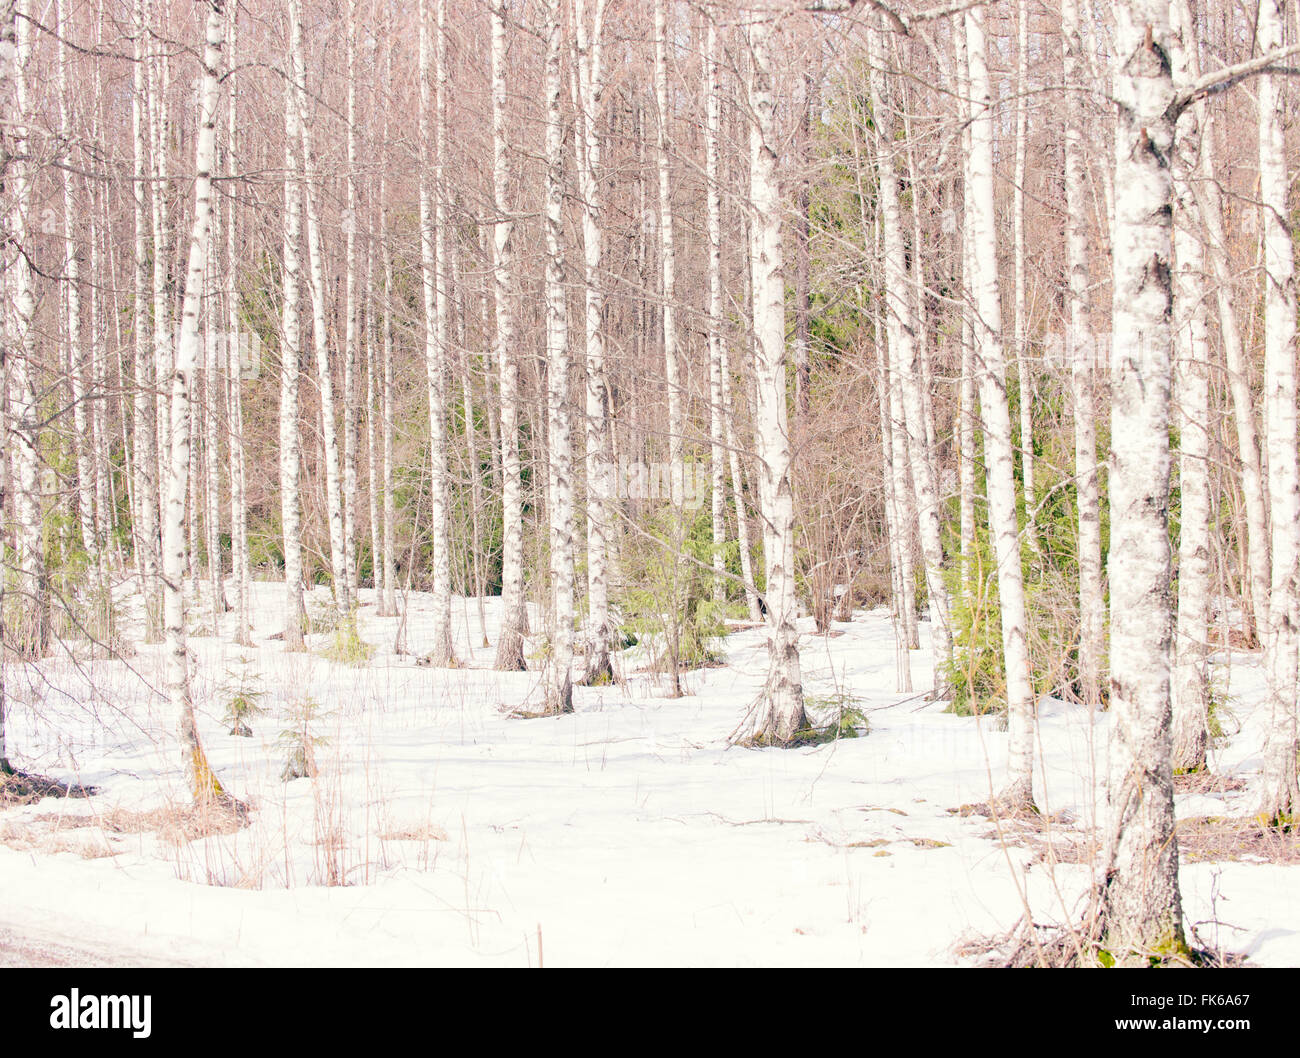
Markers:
438,830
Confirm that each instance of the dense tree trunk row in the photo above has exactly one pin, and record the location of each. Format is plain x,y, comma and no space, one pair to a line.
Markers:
602,327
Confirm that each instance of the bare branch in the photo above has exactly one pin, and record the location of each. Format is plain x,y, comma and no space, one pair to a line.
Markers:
900,22
1220,80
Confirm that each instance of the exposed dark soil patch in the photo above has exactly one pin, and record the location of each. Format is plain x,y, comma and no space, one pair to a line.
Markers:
25,788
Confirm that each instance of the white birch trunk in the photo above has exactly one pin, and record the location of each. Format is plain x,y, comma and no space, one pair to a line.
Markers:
966,455
919,295
211,405
667,247
320,333
1279,796
371,339
194,474
351,221
241,561
898,577
145,411
1258,576
716,345
432,262
738,491
24,408
1190,681
1024,367
802,261
105,506
998,451
290,356
1082,359
157,83
9,58
967,387
1141,907
599,459
510,647
900,498
778,715
203,783
559,671
390,503
72,305
905,359
475,576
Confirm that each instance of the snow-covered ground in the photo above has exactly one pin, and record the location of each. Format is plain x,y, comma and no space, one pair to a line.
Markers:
627,833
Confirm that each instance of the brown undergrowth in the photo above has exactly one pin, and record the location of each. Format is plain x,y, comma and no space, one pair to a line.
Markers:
99,834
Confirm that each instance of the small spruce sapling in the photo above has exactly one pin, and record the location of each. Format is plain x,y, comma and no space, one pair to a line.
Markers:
243,697
299,742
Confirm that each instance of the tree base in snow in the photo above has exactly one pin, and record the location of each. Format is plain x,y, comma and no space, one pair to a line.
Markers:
1031,945
428,661
805,736
510,651
846,723
1014,801
537,714
600,673
300,765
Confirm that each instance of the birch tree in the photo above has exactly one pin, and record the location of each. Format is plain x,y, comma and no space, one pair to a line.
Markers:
240,559
599,460
389,605
714,323
377,485
1000,476
20,336
350,309
1279,797
436,309
290,356
722,419
157,83
1141,906
1082,363
510,647
905,362
441,652
144,421
1256,579
559,671
211,477
9,58
1190,678
203,783
778,715
1024,368
966,386
320,332
667,244
73,309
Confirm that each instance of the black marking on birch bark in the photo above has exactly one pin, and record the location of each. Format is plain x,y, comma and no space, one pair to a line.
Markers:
1152,50
1160,273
